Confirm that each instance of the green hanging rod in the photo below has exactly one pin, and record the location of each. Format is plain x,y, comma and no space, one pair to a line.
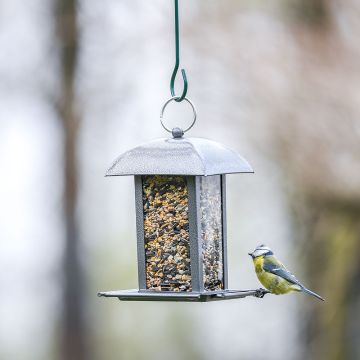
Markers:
177,60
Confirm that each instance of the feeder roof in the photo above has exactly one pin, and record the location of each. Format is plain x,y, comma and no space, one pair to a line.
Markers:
184,156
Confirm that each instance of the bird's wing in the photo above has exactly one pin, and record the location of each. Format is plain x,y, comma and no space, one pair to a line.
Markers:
275,267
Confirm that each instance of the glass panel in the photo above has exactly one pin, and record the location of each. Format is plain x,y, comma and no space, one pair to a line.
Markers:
211,232
166,229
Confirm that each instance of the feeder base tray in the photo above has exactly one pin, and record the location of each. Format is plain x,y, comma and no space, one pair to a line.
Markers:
148,295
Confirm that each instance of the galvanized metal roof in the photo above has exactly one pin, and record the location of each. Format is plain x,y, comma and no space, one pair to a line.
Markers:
184,156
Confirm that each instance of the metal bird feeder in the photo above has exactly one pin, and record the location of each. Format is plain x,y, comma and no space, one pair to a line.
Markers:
180,200
180,196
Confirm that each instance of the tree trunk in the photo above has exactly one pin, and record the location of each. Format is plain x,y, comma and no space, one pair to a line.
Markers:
73,327
333,269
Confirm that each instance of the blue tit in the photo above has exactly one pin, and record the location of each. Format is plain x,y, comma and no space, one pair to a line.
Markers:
273,274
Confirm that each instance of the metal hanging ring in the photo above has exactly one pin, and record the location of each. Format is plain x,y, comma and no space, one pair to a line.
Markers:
174,98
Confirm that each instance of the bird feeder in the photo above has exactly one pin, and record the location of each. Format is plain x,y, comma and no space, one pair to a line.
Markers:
180,196
180,201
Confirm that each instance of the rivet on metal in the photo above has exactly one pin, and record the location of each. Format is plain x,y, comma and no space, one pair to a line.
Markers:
177,133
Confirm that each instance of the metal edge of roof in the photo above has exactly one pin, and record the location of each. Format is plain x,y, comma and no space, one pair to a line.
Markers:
197,145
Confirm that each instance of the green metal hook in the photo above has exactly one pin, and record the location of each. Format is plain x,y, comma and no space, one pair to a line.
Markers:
177,60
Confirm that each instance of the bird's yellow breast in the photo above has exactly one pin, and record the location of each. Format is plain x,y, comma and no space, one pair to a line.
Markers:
258,262
275,284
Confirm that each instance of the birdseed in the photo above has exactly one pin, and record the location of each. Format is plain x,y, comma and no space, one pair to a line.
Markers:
166,230
211,232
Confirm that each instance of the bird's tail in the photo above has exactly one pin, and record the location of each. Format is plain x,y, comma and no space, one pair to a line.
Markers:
304,289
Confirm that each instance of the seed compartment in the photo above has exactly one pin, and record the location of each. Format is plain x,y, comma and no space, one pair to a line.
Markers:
211,232
166,233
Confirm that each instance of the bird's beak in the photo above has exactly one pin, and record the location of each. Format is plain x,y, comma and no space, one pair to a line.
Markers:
250,254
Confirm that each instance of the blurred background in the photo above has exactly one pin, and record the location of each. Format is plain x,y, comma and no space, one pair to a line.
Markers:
83,81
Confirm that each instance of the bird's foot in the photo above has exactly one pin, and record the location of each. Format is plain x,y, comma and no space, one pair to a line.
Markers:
260,293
